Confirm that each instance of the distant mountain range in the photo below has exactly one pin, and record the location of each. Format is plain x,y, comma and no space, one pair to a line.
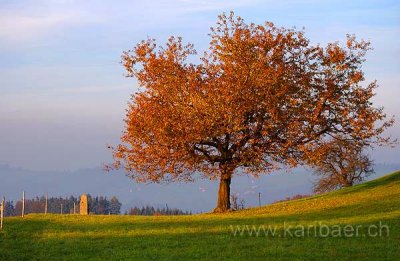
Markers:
199,196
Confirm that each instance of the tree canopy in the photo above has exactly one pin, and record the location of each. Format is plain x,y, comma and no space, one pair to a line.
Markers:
260,98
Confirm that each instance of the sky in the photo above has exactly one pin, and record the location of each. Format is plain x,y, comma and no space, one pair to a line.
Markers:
63,93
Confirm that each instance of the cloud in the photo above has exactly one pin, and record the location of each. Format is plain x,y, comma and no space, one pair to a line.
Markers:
208,5
93,89
33,22
17,28
26,21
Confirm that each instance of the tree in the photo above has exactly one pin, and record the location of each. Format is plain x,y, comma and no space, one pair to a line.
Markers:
236,202
342,164
114,206
261,98
151,211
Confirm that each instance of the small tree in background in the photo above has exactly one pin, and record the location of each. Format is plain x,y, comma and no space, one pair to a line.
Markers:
341,163
114,206
236,202
261,98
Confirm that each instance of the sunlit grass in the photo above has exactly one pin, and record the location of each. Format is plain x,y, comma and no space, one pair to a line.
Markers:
209,236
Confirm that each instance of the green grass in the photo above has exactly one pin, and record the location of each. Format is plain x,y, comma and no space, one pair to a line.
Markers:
210,237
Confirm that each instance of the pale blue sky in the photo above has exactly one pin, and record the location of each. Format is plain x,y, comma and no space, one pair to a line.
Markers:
62,90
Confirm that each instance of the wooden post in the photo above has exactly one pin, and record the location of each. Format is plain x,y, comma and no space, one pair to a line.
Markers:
45,207
23,204
61,209
2,213
74,208
259,199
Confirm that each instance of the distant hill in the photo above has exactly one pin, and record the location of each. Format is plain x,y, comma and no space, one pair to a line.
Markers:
197,197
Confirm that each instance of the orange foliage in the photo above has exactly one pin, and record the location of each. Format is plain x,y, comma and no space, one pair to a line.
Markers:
262,97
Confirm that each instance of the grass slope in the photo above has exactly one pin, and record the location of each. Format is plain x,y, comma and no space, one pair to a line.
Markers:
211,236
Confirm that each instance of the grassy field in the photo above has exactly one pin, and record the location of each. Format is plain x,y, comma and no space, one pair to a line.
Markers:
315,228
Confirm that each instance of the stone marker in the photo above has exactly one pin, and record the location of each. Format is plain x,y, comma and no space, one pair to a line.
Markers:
2,212
83,205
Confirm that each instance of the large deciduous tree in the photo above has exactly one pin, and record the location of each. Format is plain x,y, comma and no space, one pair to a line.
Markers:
260,98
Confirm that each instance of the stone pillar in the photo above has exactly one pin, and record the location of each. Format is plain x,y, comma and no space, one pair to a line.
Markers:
2,209
83,205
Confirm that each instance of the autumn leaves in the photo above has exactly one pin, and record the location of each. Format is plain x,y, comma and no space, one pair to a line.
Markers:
261,98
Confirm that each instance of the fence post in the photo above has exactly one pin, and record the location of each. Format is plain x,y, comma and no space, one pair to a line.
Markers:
61,209
2,213
74,208
23,204
45,208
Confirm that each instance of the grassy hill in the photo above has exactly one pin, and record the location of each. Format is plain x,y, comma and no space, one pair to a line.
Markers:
357,223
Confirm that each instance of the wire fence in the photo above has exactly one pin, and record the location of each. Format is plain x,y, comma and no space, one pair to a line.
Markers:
41,206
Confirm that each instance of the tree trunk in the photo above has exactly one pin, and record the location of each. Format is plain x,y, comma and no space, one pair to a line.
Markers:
348,184
223,204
